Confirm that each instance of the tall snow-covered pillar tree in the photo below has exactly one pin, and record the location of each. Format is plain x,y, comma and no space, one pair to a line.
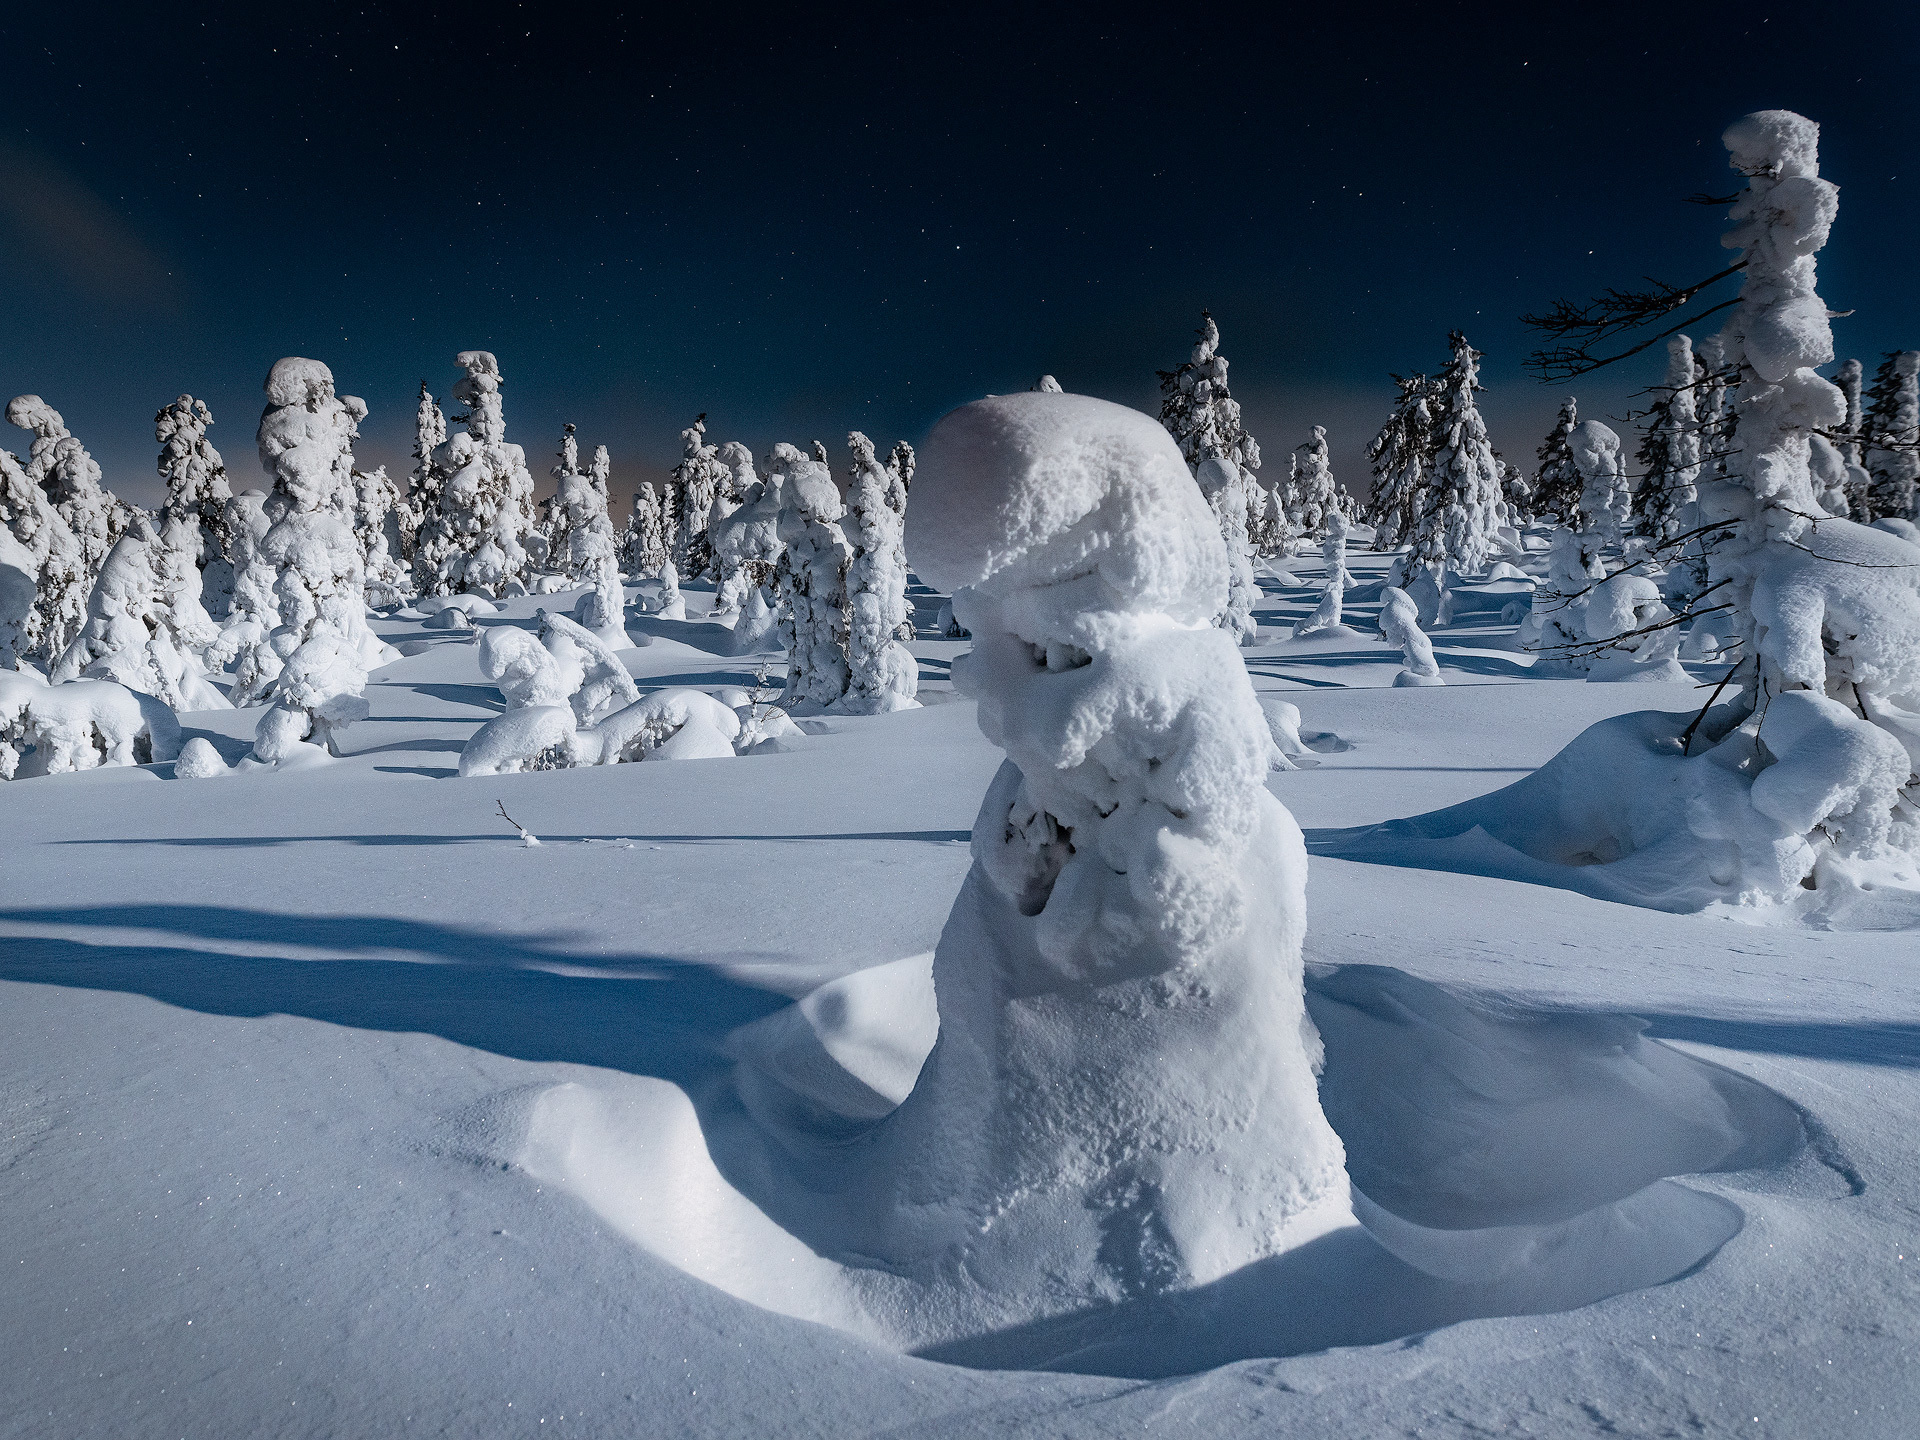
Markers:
1199,411
473,538
1122,1099
812,580
313,663
696,481
882,674
591,556
1317,496
423,482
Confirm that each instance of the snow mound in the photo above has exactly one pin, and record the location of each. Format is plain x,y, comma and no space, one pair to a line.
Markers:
82,725
199,761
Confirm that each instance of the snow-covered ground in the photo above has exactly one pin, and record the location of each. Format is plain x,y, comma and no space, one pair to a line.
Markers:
287,1144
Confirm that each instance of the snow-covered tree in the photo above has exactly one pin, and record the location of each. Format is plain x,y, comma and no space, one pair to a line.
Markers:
1400,625
901,463
732,582
1892,435
59,571
1456,527
145,627
696,480
1333,550
1046,385
473,539
812,578
19,587
1669,453
1401,457
1606,499
591,556
1199,411
59,464
601,471
1517,491
313,663
424,482
1317,495
645,541
747,549
1850,377
376,529
1557,483
1129,937
197,493
882,673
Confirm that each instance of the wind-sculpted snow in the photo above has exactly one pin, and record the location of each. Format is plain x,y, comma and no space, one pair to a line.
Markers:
54,729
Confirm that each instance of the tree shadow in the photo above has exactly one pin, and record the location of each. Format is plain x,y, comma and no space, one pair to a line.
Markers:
654,1015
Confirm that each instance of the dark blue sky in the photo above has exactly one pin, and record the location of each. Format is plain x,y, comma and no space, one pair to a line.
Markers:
802,225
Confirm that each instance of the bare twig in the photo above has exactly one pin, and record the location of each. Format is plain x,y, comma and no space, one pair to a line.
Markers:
1686,736
527,836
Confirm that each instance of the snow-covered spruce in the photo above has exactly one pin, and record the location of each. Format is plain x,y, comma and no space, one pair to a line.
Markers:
56,729
312,663
197,492
1892,436
645,540
145,626
55,566
1400,625
697,479
747,550
1669,453
900,464
882,674
423,481
1795,790
1122,1098
1455,529
473,539
1316,497
1199,411
592,556
376,529
812,580
1557,483
60,465
733,582
19,587
1401,457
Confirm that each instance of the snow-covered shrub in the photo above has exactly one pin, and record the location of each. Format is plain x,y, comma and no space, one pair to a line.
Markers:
812,580
57,568
535,737
198,760
1400,625
882,674
1401,457
197,494
1122,1098
55,729
1892,436
472,540
560,663
145,626
675,724
672,605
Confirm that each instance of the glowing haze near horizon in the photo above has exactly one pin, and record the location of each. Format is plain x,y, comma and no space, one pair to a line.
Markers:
803,229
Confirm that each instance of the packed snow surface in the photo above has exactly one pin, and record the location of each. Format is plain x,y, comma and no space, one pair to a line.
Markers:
329,1107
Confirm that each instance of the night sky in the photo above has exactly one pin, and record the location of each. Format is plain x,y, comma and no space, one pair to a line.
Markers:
803,225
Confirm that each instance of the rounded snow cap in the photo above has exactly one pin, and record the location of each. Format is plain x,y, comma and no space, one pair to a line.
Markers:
30,412
477,362
1594,445
1775,142
294,381
1018,491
